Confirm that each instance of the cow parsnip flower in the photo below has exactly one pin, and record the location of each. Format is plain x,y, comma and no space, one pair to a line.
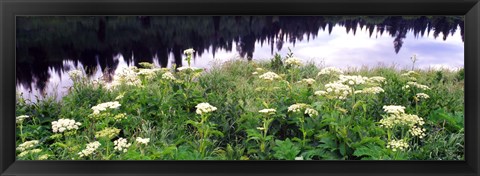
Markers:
27,145
308,81
168,76
338,90
329,71
62,125
21,118
189,51
320,93
75,74
311,112
142,140
204,108
353,80
376,79
297,107
293,61
397,145
417,131
394,109
90,149
267,111
422,96
371,90
270,76
108,132
121,144
417,85
104,106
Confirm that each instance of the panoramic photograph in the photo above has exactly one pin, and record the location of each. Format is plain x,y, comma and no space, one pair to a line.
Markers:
240,88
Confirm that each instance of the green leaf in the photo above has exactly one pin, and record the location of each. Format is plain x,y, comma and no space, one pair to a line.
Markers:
285,150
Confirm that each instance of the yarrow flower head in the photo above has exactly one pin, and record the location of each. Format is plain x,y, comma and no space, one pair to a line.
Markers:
142,140
27,145
394,109
91,147
397,145
269,76
203,108
293,61
168,76
21,118
330,70
62,125
267,111
121,144
297,107
311,112
104,106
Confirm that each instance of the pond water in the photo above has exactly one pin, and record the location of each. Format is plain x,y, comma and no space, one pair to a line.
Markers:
49,47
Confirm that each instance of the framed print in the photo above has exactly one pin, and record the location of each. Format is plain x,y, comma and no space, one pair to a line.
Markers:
239,87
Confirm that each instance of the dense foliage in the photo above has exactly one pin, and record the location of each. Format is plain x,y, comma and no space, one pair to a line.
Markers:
245,110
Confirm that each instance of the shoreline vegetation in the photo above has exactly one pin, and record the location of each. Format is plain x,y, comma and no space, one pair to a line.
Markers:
280,109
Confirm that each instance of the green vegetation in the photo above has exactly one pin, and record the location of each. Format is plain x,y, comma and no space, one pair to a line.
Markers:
246,110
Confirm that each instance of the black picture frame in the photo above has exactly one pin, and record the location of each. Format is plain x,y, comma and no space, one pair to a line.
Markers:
9,9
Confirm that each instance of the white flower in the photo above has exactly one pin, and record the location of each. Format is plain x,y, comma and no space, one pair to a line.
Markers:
21,118
393,109
64,124
330,70
142,140
338,90
126,76
203,108
371,90
148,73
168,76
43,157
320,93
103,106
188,51
121,144
297,107
91,147
269,76
293,61
311,112
267,111
27,145
255,73
376,79
120,96
410,74
309,81
422,95
415,84
259,69
417,131
108,132
299,158
74,74
184,68
397,145
408,120
353,80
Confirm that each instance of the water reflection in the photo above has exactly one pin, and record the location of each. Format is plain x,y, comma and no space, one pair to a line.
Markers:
47,47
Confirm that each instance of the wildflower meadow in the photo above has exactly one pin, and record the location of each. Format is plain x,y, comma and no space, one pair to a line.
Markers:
279,109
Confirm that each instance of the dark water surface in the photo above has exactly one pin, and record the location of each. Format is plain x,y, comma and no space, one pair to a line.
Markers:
49,47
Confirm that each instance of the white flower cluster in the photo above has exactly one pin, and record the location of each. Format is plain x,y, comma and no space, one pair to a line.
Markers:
370,90
64,124
293,61
120,116
121,144
410,74
338,90
269,76
27,145
308,81
297,107
168,76
417,85
189,51
43,157
127,76
74,74
103,106
21,118
22,154
91,147
417,131
108,132
394,109
267,111
311,112
255,73
185,68
203,108
353,80
422,95
397,145
376,79
409,120
320,93
142,140
330,70
148,73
